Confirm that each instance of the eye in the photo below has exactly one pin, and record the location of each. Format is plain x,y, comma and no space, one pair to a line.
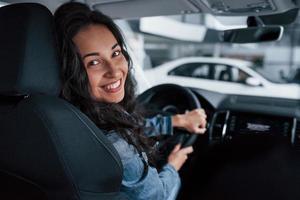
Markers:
93,63
116,53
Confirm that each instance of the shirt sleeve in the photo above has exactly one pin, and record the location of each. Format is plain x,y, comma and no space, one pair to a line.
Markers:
158,125
140,182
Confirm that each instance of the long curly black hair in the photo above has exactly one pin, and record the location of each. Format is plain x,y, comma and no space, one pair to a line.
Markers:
122,117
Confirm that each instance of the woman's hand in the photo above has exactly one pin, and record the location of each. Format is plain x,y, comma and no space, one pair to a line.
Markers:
178,156
193,121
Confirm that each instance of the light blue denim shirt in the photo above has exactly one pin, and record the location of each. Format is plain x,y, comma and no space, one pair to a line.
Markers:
151,184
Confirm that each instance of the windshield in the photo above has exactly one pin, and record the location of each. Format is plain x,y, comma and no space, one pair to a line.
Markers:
158,40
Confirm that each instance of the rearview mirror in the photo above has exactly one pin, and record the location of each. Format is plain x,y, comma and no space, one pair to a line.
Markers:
252,34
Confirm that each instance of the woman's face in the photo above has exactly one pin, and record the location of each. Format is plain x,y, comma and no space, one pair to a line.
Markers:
104,62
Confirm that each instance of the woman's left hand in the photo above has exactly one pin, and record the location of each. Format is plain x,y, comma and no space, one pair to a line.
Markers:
193,121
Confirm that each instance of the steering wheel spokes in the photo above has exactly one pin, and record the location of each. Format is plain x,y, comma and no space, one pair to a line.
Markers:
172,99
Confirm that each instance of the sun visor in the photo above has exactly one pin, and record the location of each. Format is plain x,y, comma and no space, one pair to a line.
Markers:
170,28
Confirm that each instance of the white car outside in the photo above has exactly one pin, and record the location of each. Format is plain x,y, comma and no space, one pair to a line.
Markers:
223,75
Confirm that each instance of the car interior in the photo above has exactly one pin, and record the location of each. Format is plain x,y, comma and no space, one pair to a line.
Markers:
50,150
225,75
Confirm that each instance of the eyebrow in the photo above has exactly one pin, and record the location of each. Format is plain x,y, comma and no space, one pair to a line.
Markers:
97,54
115,45
90,54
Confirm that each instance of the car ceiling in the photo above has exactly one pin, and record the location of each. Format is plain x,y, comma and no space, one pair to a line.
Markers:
141,8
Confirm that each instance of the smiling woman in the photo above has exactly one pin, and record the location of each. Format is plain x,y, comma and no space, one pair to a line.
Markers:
97,79
107,68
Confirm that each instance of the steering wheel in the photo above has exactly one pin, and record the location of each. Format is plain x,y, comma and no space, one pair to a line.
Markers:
171,99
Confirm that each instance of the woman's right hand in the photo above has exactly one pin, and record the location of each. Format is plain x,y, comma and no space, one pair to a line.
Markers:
178,156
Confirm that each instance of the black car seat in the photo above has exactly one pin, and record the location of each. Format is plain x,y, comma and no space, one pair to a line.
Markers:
48,148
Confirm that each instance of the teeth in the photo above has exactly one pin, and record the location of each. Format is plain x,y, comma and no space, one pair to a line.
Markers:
113,85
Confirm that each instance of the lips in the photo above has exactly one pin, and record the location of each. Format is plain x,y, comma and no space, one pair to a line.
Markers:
112,87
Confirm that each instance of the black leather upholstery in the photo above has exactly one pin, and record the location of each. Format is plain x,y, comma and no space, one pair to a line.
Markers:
27,54
48,148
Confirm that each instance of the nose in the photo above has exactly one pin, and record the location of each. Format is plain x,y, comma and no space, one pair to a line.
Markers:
112,69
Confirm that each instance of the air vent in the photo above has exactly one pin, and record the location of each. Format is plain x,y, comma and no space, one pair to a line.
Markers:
218,127
295,139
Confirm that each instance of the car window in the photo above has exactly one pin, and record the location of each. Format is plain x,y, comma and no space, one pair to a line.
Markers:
195,70
223,73
230,74
169,47
242,77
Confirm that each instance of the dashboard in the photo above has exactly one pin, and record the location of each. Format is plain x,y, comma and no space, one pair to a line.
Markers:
228,126
251,150
234,117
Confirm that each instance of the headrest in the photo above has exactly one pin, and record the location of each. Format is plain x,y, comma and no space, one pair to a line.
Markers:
28,53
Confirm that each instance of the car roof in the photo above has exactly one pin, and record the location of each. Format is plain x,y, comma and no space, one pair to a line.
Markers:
142,8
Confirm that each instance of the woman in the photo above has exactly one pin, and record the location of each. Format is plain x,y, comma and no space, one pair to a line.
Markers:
96,73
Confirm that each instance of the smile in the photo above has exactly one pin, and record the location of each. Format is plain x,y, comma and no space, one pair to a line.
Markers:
112,87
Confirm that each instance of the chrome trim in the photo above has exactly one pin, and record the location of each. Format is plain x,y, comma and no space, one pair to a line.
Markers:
293,133
225,125
281,33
